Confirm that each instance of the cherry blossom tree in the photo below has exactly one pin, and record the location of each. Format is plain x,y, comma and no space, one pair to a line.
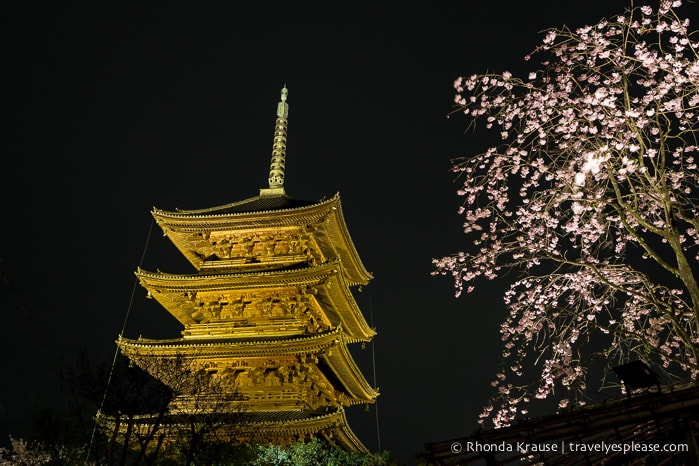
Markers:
591,197
24,453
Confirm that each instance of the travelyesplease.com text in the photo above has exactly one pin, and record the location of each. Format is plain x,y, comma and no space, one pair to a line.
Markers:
564,447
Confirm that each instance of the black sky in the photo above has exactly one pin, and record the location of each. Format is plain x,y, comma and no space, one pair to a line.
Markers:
113,109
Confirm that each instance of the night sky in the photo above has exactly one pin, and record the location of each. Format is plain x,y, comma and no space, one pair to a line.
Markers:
111,110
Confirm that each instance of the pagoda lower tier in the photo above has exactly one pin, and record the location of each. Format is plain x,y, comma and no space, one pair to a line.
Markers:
288,372
260,427
265,381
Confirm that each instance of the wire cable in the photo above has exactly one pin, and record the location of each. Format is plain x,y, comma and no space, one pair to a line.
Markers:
373,364
116,351
25,309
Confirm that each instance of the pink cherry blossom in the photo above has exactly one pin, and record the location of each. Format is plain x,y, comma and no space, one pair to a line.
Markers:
592,199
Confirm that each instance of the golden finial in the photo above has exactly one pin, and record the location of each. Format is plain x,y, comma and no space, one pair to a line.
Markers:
283,107
276,169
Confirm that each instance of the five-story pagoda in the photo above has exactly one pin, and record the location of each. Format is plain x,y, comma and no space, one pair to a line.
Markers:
269,310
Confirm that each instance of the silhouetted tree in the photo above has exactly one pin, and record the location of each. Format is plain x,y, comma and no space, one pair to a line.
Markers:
122,393
202,415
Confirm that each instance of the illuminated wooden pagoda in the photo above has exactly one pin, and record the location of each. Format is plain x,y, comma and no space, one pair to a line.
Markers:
269,310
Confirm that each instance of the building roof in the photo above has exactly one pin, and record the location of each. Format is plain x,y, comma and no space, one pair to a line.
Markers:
587,435
255,204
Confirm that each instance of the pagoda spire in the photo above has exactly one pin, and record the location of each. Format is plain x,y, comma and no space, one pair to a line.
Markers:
276,169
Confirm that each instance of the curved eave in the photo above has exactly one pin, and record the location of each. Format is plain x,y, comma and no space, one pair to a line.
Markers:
334,295
347,251
216,281
227,347
334,422
331,346
339,305
346,370
217,218
327,212
251,205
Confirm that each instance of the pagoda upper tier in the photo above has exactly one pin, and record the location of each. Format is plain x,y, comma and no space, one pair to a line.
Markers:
263,233
306,300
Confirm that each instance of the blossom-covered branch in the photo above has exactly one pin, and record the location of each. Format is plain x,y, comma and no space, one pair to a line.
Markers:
592,196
